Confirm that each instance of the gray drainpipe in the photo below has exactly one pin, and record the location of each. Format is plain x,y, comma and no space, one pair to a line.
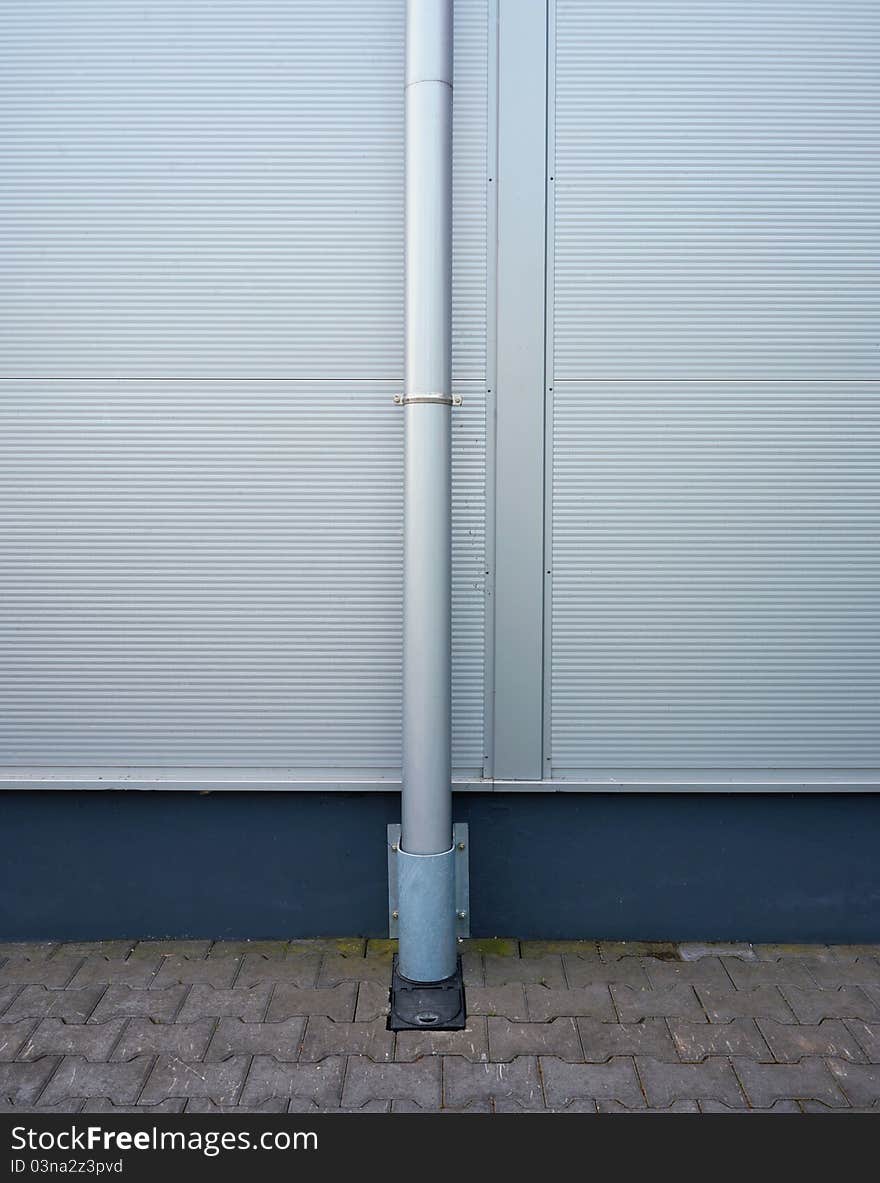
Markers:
425,859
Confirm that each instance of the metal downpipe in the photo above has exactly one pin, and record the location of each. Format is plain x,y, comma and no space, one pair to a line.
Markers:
428,948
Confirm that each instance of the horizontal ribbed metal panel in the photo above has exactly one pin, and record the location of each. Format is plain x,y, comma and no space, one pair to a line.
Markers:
209,574
716,188
215,188
201,328
715,576
715,492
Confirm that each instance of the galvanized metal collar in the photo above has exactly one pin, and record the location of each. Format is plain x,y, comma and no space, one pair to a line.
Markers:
445,400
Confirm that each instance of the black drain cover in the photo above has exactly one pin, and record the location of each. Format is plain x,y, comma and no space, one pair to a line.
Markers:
427,1006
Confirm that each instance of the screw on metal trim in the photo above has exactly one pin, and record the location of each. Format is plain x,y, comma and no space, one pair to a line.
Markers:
395,915
462,915
461,846
394,846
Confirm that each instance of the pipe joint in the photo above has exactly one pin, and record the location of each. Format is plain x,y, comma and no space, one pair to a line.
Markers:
423,81
429,41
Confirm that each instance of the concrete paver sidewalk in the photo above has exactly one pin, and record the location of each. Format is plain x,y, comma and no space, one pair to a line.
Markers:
571,1026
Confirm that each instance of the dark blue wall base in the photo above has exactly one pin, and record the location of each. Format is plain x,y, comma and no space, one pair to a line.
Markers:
89,865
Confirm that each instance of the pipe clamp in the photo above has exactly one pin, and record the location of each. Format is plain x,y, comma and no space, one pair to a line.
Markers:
446,400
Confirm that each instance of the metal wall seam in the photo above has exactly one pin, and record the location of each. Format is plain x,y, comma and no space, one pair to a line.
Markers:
490,521
603,781
549,305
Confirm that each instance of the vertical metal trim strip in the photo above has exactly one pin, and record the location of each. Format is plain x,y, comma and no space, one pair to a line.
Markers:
549,273
519,484
491,386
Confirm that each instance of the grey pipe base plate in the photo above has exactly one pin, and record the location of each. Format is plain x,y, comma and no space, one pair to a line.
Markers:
427,1006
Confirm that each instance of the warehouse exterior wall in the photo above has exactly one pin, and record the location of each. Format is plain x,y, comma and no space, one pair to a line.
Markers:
202,305
665,467
713,406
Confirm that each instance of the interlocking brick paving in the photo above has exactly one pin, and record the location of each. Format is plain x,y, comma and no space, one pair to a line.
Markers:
299,1026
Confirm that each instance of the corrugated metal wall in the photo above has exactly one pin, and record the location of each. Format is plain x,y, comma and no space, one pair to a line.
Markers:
201,328
713,327
201,301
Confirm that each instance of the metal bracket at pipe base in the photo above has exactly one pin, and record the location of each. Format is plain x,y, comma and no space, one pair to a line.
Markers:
426,924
